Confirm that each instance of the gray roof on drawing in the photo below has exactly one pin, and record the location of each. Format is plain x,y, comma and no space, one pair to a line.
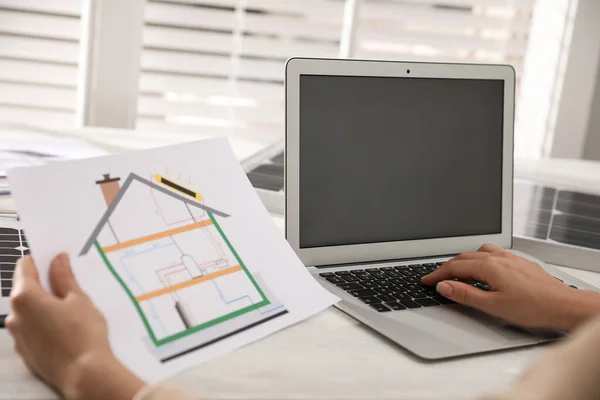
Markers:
113,205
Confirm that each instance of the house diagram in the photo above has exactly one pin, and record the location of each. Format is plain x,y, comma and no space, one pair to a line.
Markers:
171,257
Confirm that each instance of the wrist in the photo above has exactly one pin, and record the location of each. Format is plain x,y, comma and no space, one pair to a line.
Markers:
573,308
99,376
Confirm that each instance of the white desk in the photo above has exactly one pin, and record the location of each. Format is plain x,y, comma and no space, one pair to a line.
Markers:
330,356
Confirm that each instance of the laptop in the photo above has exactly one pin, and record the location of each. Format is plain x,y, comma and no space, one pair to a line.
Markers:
391,169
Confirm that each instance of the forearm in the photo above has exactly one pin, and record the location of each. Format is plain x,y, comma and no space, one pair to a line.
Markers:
575,308
94,378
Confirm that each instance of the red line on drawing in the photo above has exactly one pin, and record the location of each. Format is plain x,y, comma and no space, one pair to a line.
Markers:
169,267
165,281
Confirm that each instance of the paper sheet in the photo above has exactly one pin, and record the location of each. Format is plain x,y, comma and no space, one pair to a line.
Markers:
175,248
21,153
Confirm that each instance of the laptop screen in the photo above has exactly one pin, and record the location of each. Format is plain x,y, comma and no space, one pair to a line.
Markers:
391,159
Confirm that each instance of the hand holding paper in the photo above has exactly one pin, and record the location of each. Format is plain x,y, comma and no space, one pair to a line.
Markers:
174,247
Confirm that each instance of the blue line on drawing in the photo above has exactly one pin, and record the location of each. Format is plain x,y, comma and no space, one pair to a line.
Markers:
131,279
241,298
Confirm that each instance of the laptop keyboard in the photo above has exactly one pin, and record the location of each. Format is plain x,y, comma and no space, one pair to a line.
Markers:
390,288
393,288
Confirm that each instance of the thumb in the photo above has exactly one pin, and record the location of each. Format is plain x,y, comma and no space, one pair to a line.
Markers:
465,294
62,279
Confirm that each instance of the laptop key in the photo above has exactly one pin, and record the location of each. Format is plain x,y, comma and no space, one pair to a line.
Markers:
378,275
440,263
442,300
412,279
397,281
342,273
417,294
369,299
386,297
383,290
326,274
380,307
393,274
408,272
363,276
402,296
395,306
412,286
350,278
387,268
427,302
335,279
357,271
429,264
397,288
369,284
409,304
483,286
362,292
349,286
429,291
382,282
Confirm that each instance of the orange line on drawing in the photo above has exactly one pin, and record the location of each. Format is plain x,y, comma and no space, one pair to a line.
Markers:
182,285
155,236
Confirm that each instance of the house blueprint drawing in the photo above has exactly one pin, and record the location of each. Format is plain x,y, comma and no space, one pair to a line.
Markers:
187,282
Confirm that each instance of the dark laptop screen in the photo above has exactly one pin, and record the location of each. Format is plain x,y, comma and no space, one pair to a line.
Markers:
387,159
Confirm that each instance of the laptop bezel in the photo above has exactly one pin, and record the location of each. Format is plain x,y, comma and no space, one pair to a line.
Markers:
340,254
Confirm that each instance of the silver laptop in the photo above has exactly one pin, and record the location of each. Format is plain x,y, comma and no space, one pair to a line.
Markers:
391,169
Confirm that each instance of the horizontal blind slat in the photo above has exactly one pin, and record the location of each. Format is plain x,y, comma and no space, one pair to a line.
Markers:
261,113
425,14
163,82
38,49
67,7
45,26
38,73
37,96
444,42
36,118
313,8
218,42
166,61
262,135
521,4
196,17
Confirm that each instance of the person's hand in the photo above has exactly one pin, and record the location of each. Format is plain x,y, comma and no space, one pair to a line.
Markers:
63,338
521,292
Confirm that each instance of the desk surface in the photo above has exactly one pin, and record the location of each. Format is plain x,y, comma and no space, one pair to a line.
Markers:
330,356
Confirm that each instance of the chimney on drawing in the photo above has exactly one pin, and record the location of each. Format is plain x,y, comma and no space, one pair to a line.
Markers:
110,187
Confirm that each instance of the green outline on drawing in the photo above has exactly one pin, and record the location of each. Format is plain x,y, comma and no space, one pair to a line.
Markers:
204,325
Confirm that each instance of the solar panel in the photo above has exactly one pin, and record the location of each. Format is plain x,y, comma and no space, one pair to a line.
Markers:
557,225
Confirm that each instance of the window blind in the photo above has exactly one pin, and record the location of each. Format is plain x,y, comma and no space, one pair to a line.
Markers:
39,42
217,66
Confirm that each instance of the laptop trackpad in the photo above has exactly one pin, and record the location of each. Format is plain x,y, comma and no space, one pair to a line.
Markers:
466,327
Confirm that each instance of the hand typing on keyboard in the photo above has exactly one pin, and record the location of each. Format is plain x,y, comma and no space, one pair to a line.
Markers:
515,289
